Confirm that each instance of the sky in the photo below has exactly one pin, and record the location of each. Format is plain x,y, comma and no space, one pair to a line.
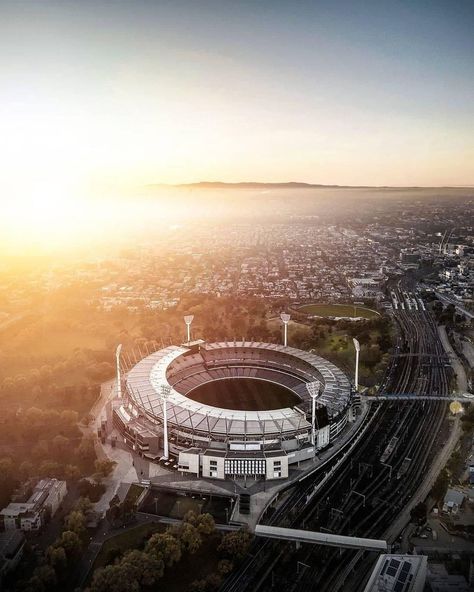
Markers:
102,98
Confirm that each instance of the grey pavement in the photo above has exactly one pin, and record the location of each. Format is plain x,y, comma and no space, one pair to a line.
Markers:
458,368
425,487
468,351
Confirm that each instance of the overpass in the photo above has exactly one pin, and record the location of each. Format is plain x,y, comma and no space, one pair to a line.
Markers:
320,538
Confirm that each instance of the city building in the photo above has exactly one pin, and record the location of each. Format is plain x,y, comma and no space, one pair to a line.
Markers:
452,501
398,573
12,543
30,514
440,580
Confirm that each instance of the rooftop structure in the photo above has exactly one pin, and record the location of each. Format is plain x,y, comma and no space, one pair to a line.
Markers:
11,551
47,495
398,573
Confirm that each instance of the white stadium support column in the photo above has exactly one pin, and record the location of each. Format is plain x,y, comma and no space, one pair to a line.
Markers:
119,379
285,319
357,350
188,319
165,393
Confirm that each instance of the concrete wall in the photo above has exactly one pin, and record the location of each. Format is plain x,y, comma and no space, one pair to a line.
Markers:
190,460
213,467
277,467
322,439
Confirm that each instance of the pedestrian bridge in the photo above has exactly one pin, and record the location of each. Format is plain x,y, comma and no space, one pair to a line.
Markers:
321,538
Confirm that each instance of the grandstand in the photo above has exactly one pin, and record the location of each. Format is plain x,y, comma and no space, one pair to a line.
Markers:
234,408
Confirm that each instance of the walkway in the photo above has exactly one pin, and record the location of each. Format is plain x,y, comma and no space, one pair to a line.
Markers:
455,362
428,482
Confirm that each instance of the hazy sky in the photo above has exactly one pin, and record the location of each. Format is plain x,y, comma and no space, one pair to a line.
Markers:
103,96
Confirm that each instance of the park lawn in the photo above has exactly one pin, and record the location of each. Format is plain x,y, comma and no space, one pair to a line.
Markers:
293,327
338,310
134,492
131,538
339,349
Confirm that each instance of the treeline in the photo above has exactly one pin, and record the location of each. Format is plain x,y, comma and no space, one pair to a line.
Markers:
41,443
57,567
141,570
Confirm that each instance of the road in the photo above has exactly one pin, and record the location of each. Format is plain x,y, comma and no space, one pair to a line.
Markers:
456,304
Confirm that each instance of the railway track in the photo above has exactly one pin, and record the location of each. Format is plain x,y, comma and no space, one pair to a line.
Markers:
363,496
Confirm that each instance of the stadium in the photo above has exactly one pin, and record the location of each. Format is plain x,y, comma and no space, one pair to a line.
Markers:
229,410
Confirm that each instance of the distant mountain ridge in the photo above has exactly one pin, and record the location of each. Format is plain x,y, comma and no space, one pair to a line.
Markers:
284,185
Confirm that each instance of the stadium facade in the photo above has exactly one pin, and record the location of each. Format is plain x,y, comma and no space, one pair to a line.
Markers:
157,416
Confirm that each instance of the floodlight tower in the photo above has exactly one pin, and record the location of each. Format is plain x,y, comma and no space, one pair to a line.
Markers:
313,390
357,350
188,319
165,393
285,319
117,359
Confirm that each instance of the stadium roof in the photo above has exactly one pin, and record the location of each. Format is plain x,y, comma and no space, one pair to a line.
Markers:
145,381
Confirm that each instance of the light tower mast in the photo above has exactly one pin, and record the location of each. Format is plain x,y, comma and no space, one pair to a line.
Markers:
357,350
117,359
165,393
313,390
285,319
188,319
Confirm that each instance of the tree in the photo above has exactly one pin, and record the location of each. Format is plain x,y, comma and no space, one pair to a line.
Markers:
205,524
72,472
43,579
91,490
418,513
208,584
57,558
104,467
144,568
76,522
83,505
441,485
61,446
166,546
225,566
85,449
26,470
114,578
235,544
69,417
50,468
189,536
71,543
7,481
